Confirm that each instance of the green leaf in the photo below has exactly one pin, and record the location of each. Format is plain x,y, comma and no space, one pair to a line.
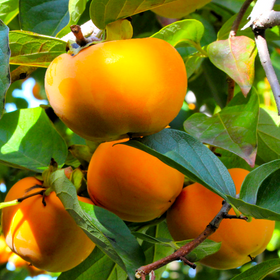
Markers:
259,271
104,228
5,79
183,152
268,138
234,128
98,266
21,145
8,10
235,56
33,49
75,8
260,192
206,248
103,12
46,17
157,251
189,31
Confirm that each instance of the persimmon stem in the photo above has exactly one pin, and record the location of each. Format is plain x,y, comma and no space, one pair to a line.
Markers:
77,31
186,249
9,203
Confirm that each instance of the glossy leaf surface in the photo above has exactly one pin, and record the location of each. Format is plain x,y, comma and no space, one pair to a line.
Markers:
183,152
234,128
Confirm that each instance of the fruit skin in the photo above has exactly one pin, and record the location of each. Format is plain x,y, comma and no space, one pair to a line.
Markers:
45,236
179,8
5,251
133,184
111,89
196,206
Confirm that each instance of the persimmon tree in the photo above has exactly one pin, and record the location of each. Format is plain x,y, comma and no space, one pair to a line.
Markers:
229,119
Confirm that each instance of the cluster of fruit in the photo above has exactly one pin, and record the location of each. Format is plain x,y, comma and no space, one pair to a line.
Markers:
137,88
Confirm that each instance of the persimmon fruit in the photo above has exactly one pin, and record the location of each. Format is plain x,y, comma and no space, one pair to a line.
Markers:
118,88
5,251
131,183
179,8
240,241
45,236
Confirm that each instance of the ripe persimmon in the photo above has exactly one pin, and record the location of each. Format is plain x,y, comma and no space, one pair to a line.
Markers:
114,89
5,251
44,236
131,183
240,241
179,8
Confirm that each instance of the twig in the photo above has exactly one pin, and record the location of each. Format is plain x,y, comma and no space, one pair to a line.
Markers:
267,65
239,17
262,7
186,249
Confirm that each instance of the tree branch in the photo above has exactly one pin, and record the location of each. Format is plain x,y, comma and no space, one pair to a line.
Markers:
186,249
262,7
267,65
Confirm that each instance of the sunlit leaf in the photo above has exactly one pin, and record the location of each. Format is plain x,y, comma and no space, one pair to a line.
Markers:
103,12
75,8
183,152
8,10
234,128
4,66
21,145
189,31
33,49
104,228
235,56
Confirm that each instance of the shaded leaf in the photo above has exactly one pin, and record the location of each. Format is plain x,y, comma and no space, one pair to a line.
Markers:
235,56
259,195
46,17
21,145
8,10
183,152
210,86
189,31
103,12
104,228
97,266
5,79
75,9
234,128
268,138
33,49
259,271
